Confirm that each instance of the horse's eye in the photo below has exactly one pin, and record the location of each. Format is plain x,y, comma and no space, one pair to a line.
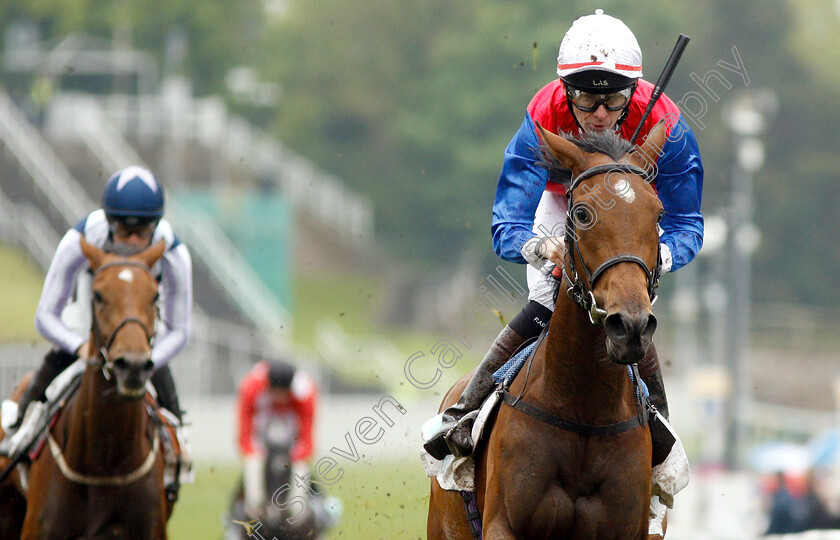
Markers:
156,298
97,297
581,215
660,216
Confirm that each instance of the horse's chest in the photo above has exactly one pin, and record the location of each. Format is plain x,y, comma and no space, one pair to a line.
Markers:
116,513
578,491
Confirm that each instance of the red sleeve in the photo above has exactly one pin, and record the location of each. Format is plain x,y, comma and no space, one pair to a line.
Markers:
305,408
550,109
252,385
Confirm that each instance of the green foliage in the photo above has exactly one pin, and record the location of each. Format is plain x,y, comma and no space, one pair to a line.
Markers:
413,102
218,34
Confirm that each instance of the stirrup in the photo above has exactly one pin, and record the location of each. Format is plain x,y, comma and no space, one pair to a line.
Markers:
463,426
434,432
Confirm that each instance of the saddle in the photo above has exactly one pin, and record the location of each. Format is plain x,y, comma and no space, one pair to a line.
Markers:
177,454
670,472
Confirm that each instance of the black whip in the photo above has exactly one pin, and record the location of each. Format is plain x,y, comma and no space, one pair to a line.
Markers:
664,77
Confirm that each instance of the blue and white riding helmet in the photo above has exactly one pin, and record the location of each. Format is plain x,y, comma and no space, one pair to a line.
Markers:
133,196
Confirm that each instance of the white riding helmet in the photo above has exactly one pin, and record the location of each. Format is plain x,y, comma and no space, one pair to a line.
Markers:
599,53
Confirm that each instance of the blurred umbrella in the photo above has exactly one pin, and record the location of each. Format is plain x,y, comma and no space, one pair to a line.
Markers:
779,456
824,448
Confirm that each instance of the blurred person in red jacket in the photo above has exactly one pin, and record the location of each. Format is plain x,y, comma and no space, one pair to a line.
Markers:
276,414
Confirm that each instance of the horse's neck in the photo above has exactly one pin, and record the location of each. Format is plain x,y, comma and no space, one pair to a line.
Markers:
575,371
108,423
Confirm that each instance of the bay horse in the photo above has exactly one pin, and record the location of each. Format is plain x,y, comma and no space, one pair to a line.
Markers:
100,474
588,474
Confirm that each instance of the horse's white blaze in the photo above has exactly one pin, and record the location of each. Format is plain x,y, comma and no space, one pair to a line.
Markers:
126,275
621,187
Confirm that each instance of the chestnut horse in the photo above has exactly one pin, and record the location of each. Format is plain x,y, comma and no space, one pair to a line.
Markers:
583,469
100,474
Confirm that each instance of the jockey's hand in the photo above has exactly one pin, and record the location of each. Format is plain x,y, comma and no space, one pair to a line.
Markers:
84,350
553,248
541,250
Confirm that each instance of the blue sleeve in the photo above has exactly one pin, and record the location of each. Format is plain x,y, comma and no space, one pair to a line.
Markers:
679,184
521,185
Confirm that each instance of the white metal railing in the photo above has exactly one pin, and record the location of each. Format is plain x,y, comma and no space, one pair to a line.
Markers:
767,421
40,162
23,225
205,238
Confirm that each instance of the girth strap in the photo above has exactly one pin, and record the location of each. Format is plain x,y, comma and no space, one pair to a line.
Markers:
473,515
581,429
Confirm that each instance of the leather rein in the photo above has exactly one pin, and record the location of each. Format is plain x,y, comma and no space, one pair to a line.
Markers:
642,406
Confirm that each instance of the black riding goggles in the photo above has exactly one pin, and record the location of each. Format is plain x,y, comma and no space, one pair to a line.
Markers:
589,102
143,230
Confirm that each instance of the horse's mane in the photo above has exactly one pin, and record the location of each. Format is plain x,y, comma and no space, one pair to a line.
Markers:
603,142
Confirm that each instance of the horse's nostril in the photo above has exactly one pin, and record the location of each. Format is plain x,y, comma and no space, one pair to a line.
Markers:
650,328
615,327
120,363
149,365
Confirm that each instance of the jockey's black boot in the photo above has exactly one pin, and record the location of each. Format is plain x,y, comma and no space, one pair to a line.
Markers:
165,387
54,363
453,437
168,399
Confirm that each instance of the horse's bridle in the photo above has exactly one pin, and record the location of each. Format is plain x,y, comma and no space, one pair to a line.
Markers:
578,291
103,360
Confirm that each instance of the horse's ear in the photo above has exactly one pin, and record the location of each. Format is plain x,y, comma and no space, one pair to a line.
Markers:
151,254
564,151
93,254
645,156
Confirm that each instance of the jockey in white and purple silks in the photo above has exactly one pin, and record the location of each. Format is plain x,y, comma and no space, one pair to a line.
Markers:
130,220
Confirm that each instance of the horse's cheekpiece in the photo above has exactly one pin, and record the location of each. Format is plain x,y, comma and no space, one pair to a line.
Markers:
578,291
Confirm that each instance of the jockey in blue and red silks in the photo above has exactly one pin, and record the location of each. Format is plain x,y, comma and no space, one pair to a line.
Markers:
599,89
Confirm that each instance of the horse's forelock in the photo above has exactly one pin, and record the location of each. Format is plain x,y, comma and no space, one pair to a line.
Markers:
602,142
123,250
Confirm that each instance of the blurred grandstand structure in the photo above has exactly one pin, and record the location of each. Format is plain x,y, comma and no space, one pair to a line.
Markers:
58,149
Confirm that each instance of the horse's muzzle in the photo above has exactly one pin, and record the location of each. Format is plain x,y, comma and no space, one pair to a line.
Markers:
629,336
132,373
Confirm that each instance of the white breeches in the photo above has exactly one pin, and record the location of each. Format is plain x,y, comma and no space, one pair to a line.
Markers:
550,220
